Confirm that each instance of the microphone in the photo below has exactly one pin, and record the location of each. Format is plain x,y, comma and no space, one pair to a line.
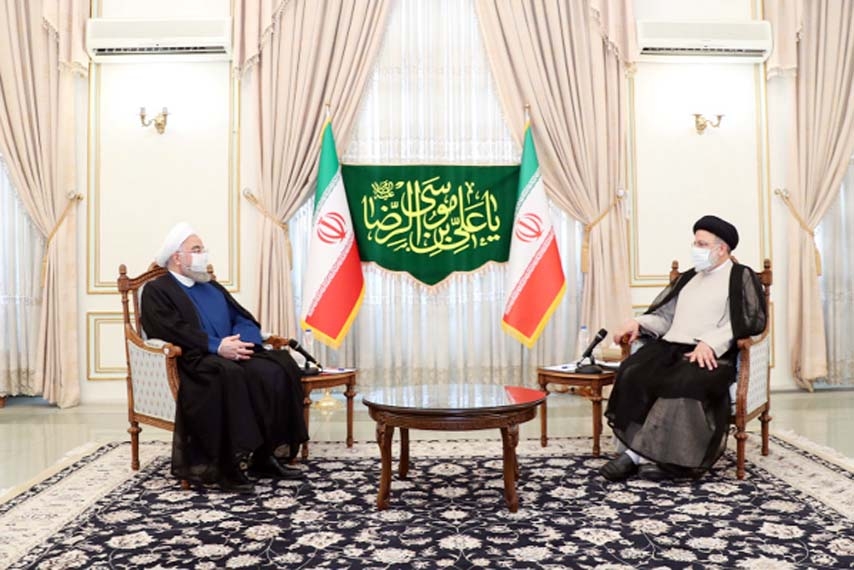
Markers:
591,368
308,357
600,336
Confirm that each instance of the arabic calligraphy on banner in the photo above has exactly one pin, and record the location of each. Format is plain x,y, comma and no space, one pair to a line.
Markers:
432,220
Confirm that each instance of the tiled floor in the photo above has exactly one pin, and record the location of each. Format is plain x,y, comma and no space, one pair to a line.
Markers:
34,436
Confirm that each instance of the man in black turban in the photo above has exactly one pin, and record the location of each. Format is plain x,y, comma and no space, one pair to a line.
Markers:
670,404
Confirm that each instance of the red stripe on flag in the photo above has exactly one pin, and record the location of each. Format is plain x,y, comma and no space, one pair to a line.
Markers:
340,297
537,295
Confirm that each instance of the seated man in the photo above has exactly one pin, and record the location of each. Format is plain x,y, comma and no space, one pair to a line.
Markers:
236,401
670,403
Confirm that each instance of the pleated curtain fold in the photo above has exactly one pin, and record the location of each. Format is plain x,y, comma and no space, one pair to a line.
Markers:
820,50
568,61
299,56
41,48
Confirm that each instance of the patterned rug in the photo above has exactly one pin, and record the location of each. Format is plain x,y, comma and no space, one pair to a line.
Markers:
795,509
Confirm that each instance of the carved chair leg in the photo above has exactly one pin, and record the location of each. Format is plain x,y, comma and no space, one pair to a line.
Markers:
2,401
765,418
134,430
740,439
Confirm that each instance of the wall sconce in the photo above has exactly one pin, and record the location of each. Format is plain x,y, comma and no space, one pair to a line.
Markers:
701,123
159,120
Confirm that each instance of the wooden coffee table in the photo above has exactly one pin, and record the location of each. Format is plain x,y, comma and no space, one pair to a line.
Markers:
343,377
453,407
587,385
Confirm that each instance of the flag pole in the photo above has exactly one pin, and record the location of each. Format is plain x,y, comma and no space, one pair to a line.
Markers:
327,402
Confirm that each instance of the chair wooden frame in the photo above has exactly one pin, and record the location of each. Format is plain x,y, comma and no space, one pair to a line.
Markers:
745,408
130,289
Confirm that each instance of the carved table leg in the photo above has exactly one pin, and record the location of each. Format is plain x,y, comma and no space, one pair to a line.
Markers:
596,398
350,392
384,436
306,413
403,470
510,437
544,430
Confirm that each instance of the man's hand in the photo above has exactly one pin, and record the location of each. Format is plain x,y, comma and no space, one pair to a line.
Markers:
631,328
704,356
233,348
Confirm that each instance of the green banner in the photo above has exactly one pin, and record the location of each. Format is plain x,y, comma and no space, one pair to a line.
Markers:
432,220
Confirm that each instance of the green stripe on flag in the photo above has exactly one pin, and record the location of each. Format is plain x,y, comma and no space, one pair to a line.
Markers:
328,163
530,164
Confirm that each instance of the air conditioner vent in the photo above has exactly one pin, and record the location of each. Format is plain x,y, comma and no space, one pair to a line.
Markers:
165,50
742,41
704,51
113,40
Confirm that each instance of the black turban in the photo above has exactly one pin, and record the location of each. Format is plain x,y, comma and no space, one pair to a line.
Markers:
721,228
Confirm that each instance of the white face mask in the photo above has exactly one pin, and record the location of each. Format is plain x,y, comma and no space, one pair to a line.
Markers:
199,261
702,258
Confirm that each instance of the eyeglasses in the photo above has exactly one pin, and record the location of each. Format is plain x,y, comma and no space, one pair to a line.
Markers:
704,244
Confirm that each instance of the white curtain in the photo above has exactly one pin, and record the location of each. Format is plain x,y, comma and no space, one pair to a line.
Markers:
835,239
21,249
431,100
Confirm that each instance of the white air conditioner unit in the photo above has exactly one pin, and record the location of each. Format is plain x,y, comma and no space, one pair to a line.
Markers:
123,40
747,41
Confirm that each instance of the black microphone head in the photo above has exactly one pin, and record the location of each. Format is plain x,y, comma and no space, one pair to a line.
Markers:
601,334
293,343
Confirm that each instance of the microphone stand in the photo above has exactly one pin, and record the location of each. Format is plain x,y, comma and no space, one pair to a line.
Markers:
326,402
590,368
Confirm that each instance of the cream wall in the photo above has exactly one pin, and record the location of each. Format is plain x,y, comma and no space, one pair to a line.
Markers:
677,175
139,183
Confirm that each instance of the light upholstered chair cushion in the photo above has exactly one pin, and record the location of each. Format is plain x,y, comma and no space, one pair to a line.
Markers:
151,393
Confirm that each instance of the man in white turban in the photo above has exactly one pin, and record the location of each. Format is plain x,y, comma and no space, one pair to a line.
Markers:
238,404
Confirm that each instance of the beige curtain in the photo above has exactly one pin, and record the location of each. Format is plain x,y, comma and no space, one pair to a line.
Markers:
567,60
836,240
786,17
824,135
303,55
40,50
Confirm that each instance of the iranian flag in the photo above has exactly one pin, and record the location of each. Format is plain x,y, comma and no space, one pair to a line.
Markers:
536,282
334,284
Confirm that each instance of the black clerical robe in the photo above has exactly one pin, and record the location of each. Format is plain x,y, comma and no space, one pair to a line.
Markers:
226,409
670,410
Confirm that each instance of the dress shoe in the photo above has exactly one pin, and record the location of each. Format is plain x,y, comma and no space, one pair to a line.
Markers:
239,476
619,468
652,472
237,484
269,466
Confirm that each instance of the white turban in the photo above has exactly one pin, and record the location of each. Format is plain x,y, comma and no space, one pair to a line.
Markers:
176,236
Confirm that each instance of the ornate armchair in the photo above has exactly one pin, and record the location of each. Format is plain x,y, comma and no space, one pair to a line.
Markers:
750,394
152,379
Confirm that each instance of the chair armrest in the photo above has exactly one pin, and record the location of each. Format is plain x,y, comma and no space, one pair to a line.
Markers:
274,342
627,348
153,379
752,373
157,345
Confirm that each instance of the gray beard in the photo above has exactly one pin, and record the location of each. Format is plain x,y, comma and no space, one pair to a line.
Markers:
197,276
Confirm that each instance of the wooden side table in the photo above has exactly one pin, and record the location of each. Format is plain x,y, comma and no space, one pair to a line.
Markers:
587,385
330,379
451,407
